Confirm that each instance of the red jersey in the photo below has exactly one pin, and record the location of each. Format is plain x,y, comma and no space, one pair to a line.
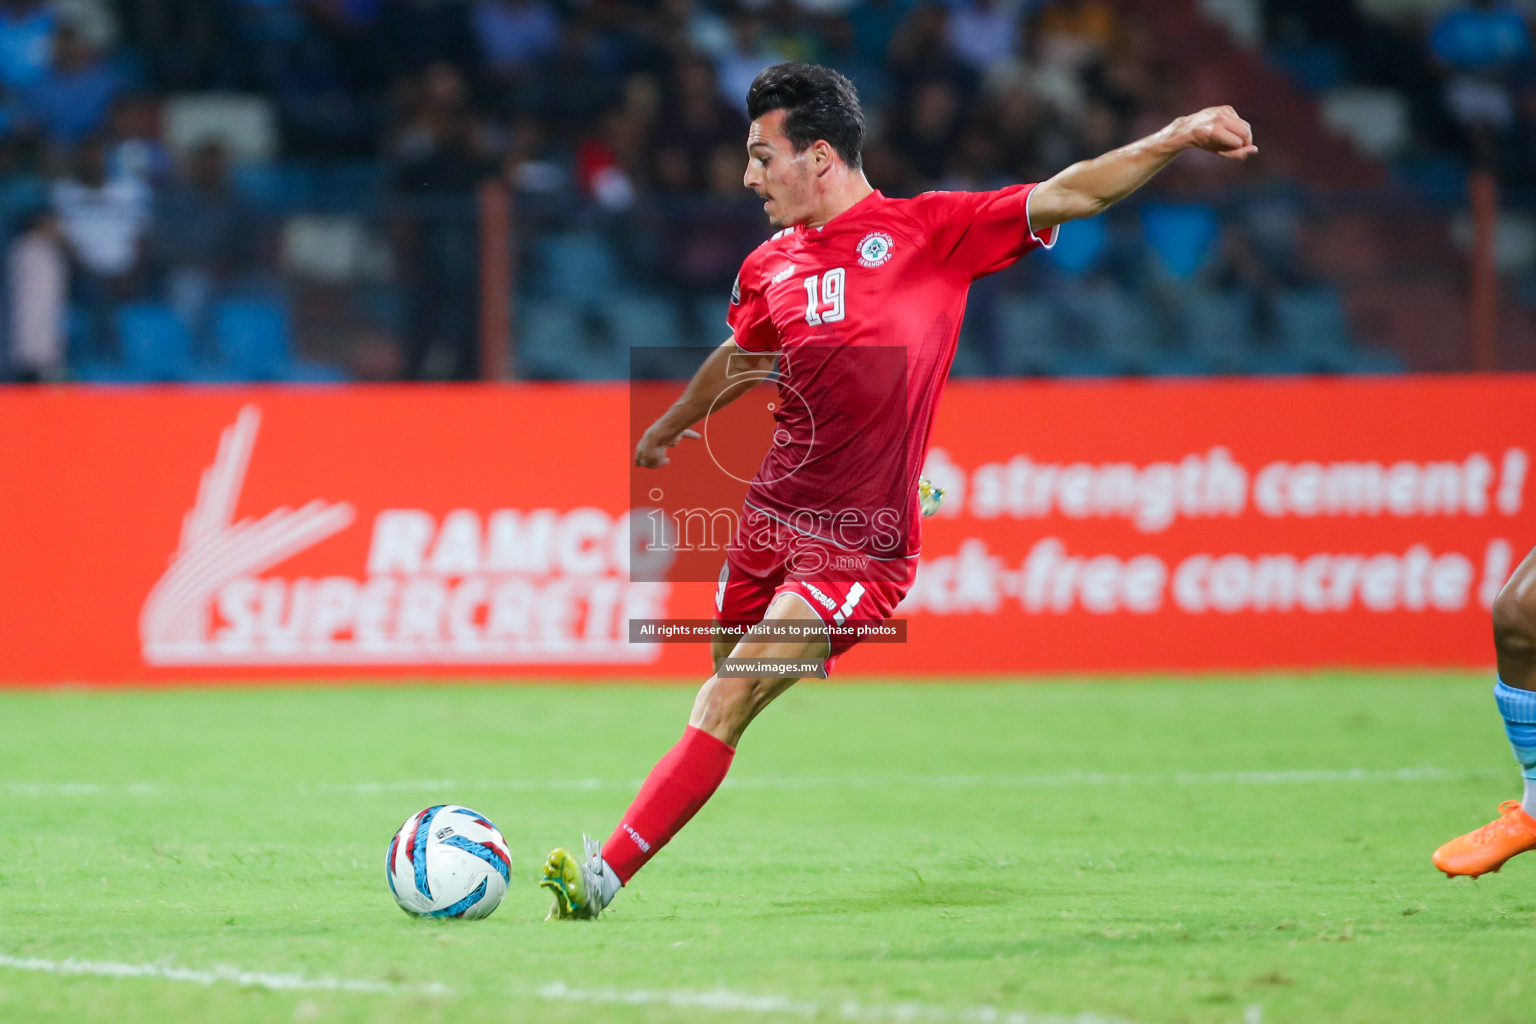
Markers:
865,313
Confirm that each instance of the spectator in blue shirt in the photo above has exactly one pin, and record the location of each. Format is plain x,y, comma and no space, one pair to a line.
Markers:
72,100
1484,36
26,41
515,34
1480,45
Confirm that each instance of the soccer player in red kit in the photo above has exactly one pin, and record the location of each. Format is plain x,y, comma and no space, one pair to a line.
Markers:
857,301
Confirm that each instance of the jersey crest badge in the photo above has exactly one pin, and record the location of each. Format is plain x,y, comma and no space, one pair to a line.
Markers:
875,249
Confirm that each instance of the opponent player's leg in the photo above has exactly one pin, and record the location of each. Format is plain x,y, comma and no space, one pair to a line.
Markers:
688,775
1514,627
1514,640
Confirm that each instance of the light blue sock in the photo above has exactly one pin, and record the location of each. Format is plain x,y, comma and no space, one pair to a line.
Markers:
1519,710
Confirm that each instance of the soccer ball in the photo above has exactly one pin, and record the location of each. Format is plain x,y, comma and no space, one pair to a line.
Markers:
448,861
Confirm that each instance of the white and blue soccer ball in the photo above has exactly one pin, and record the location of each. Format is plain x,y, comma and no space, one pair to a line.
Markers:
448,861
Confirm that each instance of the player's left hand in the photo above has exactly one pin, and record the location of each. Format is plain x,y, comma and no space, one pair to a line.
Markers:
1218,130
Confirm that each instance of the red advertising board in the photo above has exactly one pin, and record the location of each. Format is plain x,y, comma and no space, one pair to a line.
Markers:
178,535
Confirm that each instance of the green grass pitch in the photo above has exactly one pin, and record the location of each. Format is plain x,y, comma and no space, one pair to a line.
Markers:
1152,851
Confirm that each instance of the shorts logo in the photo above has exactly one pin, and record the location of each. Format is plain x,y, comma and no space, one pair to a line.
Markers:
875,249
825,601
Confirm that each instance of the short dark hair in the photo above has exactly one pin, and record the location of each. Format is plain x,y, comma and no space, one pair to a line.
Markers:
821,104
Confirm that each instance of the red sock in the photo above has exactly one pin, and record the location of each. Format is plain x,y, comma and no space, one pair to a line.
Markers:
681,783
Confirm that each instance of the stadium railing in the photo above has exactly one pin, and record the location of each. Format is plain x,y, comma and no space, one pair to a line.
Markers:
360,283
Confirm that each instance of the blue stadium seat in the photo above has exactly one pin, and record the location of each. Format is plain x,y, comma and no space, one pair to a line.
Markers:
975,349
1440,177
1182,236
1284,362
1080,246
1219,327
969,360
1029,334
1187,363
1083,363
601,359
550,341
1376,361
566,343
273,186
80,334
1312,323
1315,67
254,339
155,345
349,181
642,321
709,312
577,267
155,342
1123,327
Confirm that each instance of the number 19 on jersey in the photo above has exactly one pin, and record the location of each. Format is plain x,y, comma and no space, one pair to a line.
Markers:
824,297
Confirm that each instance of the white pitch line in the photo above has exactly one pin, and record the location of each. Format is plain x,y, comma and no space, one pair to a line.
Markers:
1299,777
213,976
716,1000
724,999
84,789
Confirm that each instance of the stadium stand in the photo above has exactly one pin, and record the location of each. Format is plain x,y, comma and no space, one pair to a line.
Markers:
350,136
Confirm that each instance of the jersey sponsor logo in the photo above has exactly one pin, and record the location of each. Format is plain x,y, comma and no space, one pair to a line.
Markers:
874,249
783,274
736,291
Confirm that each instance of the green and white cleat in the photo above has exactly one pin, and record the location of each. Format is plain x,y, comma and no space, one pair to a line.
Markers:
582,888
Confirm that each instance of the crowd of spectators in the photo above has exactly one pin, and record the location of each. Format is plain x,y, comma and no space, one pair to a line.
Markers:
652,89
630,111
1466,68
611,104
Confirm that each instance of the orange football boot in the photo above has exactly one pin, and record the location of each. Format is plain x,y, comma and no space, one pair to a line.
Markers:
1486,849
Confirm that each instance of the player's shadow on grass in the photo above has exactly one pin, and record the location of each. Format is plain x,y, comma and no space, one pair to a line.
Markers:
915,895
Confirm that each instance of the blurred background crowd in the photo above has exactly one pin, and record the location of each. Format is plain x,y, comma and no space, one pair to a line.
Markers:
204,190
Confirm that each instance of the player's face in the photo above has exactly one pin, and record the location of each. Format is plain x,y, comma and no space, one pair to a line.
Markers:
780,176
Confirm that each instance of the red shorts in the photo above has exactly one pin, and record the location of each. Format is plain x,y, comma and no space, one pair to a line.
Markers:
750,581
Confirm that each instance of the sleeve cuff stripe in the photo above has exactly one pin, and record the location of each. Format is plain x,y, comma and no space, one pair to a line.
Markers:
1046,238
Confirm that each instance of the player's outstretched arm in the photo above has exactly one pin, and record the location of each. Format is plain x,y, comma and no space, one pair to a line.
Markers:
1092,186
726,375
